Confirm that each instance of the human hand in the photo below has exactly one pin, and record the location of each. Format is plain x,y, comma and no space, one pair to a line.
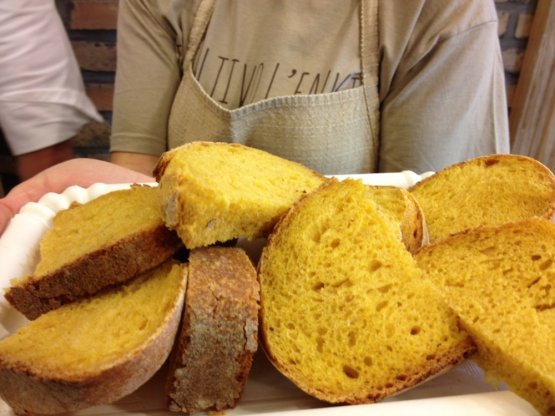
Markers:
82,172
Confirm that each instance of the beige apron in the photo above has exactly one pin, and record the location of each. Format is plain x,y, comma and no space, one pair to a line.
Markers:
332,133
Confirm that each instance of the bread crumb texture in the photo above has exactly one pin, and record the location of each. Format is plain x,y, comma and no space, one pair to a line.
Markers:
501,282
102,222
79,354
94,246
215,192
489,190
346,314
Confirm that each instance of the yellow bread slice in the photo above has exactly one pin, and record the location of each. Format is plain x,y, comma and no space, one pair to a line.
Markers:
501,282
219,333
403,208
345,312
94,351
95,245
488,190
215,192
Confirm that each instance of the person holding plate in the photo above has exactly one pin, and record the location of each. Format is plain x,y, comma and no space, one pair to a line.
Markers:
355,86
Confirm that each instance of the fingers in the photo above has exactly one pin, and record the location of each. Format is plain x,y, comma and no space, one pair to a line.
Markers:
5,216
82,172
11,203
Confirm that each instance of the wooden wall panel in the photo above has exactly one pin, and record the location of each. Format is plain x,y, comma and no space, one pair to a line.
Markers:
532,118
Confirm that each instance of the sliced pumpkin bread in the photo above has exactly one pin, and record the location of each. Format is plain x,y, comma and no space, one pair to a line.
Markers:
501,283
219,334
403,208
488,190
95,245
215,192
345,312
93,351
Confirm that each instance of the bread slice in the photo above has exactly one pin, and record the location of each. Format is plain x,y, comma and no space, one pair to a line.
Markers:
345,313
215,192
219,334
95,245
501,282
488,190
94,351
403,208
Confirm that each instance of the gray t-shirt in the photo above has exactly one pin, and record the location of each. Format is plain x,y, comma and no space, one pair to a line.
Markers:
279,48
442,88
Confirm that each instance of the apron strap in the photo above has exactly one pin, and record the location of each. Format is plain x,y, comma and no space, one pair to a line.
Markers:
200,22
369,55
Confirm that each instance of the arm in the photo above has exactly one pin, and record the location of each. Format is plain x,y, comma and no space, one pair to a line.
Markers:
42,96
83,172
139,162
146,80
443,88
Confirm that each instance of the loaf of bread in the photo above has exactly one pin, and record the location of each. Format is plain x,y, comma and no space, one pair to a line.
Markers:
96,350
403,208
501,283
93,246
345,312
488,190
219,333
216,192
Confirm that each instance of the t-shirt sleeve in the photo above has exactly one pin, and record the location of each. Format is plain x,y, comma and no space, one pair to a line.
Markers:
42,96
148,74
443,98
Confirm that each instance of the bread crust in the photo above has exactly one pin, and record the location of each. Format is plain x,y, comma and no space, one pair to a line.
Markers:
94,272
531,164
412,224
219,334
29,392
439,366
415,234
162,164
488,160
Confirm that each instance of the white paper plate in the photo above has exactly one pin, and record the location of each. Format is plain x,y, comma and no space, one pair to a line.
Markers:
460,391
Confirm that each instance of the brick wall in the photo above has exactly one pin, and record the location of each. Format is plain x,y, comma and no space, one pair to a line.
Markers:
515,19
91,26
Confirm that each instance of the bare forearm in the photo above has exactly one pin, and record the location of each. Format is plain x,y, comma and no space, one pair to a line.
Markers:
136,161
